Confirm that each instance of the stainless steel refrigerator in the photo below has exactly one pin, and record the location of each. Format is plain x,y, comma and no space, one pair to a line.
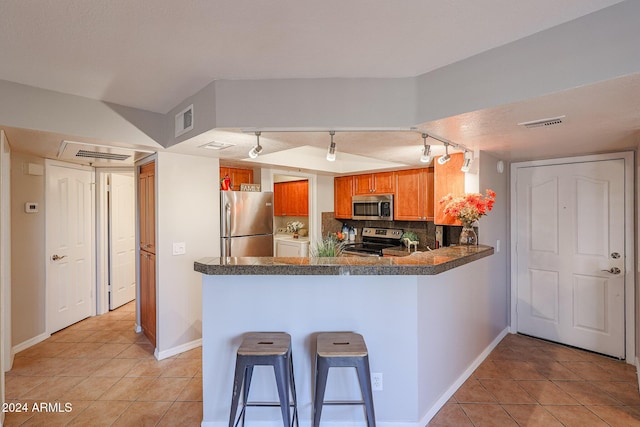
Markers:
246,223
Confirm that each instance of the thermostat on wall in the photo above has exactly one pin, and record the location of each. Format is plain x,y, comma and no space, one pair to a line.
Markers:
31,207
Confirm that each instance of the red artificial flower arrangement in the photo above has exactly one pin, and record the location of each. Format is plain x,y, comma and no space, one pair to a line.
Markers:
469,207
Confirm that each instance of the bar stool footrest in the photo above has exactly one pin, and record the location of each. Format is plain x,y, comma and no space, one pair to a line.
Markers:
343,402
274,404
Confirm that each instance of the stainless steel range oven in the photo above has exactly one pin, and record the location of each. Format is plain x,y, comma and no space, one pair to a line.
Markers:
374,240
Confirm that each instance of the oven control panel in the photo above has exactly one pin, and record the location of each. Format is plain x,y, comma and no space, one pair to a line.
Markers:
388,233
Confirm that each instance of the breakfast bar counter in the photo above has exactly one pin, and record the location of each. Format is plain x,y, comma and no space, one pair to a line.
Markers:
418,263
428,320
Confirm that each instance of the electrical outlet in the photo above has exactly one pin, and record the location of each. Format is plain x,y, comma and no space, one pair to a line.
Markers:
376,381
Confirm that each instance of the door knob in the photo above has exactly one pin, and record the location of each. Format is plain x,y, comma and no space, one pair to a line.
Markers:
56,257
613,270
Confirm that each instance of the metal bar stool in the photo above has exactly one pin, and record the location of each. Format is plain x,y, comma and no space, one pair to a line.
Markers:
342,349
260,349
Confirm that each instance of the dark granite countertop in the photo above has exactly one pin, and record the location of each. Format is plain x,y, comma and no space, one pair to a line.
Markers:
421,263
396,251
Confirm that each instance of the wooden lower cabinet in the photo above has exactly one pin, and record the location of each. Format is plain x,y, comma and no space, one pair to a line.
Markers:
413,200
148,295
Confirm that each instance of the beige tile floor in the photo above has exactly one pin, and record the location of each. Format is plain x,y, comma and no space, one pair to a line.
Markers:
529,382
108,374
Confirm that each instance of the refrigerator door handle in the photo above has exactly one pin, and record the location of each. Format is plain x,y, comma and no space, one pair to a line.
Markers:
226,248
227,220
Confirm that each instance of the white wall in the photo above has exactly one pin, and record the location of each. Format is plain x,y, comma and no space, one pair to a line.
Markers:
494,231
187,211
27,251
39,109
5,263
590,49
325,198
315,102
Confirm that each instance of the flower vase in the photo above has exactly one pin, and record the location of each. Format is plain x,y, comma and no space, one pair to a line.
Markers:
295,234
468,235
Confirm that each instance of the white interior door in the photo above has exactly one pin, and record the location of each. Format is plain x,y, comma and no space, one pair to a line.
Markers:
570,244
69,243
122,239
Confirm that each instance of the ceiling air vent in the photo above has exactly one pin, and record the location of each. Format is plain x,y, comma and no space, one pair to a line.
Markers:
99,155
543,122
215,145
104,156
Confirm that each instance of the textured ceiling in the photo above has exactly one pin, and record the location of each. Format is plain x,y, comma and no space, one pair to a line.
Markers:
152,54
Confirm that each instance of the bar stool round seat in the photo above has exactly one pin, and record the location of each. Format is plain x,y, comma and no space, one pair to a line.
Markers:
264,349
342,349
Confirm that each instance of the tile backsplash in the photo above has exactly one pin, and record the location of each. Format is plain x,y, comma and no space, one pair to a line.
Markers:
281,221
426,231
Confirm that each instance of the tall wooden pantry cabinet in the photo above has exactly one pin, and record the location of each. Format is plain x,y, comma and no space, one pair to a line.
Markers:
147,227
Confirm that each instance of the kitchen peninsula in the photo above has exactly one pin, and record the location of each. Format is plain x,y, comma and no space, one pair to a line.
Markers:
427,319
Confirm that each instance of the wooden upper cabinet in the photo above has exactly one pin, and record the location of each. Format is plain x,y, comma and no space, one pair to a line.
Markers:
413,199
300,197
342,192
448,179
279,198
291,198
374,183
237,176
146,195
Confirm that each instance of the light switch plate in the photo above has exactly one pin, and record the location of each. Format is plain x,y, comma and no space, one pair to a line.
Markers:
179,248
31,207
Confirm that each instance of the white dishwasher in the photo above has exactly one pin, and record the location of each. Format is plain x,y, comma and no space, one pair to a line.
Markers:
287,246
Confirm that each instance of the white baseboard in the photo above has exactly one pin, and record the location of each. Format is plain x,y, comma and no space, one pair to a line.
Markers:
29,343
638,373
462,378
177,350
304,423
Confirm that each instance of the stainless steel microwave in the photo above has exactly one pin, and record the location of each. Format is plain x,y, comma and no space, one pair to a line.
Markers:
374,207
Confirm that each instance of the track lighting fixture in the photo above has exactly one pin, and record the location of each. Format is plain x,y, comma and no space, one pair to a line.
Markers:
444,159
255,151
426,150
466,164
331,152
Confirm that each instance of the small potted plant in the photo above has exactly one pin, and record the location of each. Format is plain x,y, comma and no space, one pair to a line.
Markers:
329,246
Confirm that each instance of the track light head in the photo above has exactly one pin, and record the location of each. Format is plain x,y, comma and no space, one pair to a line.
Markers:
466,164
331,152
426,150
255,151
444,159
